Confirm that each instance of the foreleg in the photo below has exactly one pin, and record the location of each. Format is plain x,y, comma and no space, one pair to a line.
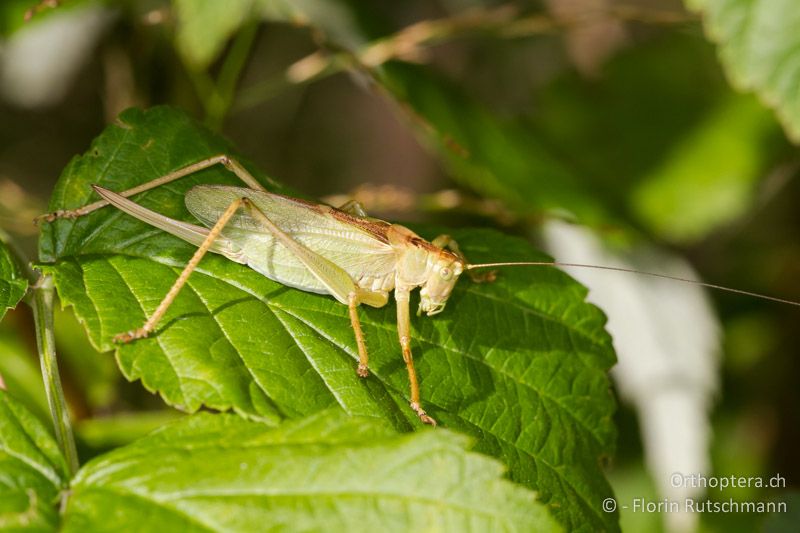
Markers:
404,333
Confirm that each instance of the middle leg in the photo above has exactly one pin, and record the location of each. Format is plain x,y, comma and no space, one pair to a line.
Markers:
353,207
363,357
338,282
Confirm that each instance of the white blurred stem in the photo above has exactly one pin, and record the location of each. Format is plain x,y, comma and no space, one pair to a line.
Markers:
666,336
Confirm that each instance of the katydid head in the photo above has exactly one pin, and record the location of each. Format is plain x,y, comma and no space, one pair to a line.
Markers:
441,279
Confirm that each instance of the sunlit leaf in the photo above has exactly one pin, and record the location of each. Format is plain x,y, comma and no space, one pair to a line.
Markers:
330,472
520,364
760,48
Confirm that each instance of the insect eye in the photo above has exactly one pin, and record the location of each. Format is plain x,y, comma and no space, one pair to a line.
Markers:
446,273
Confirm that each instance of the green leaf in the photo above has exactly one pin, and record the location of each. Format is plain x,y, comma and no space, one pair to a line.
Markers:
93,374
120,429
13,283
20,370
520,364
204,26
598,122
760,48
498,158
327,473
33,470
710,177
337,19
693,165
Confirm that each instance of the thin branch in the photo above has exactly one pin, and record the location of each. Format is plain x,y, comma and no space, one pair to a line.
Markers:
393,199
412,42
312,67
42,5
225,88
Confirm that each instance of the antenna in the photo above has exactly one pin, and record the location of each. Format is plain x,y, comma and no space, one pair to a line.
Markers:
641,272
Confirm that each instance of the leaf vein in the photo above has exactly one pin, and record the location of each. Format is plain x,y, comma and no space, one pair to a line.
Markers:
155,337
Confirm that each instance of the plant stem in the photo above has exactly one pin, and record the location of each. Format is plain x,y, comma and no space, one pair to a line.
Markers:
218,96
45,340
266,90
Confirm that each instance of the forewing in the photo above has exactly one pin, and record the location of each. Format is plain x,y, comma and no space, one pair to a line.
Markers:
356,245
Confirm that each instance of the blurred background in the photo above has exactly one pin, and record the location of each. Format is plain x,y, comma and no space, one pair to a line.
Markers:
606,131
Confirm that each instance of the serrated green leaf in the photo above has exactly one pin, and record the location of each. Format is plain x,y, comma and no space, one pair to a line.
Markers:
760,48
520,364
32,470
330,472
13,283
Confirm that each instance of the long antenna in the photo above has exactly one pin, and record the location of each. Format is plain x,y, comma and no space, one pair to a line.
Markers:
641,272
